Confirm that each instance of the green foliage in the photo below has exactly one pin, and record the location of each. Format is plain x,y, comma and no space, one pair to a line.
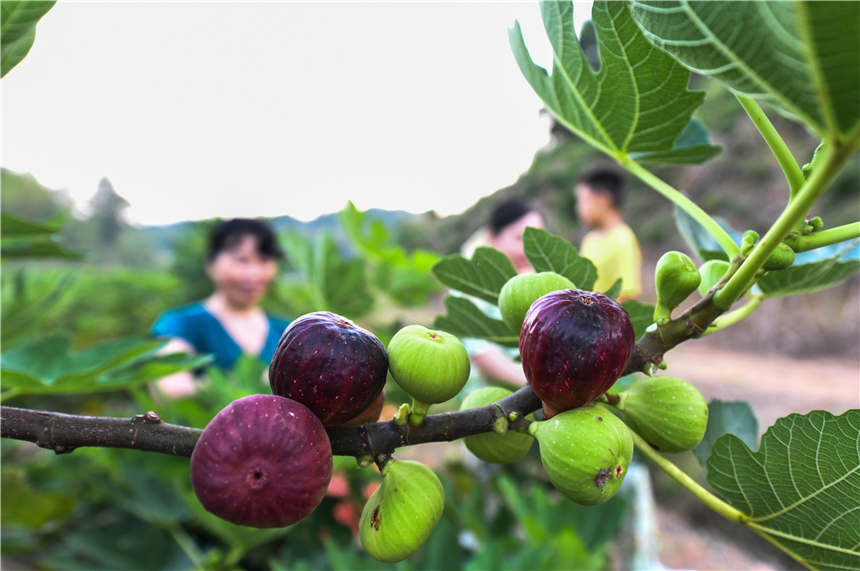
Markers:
47,366
483,276
814,270
799,56
699,240
23,238
641,315
800,487
548,253
636,104
464,319
402,276
18,31
323,277
727,417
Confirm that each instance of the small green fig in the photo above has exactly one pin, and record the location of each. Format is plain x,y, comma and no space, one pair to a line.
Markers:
489,446
781,258
521,291
668,412
401,513
712,272
676,277
585,451
432,366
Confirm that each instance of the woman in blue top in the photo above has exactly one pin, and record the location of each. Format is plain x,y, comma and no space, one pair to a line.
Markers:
242,261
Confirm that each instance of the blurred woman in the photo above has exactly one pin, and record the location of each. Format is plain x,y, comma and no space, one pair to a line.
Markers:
242,261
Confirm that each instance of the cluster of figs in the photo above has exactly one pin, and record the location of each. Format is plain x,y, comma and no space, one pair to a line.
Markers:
266,460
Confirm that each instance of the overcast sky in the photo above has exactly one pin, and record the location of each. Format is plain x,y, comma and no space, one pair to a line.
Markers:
195,110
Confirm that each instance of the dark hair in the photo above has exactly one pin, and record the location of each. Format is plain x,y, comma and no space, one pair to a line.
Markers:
506,213
606,181
226,235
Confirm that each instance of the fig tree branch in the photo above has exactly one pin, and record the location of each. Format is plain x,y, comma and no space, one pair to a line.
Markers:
65,432
824,237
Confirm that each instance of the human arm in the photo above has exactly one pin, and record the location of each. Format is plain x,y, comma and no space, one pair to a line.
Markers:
178,384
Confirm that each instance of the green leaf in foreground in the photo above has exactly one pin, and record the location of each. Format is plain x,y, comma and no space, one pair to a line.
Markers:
465,319
636,104
549,253
483,276
727,417
641,315
801,489
800,56
18,29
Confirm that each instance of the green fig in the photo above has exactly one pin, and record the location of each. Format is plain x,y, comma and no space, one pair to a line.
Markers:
668,412
781,258
490,446
712,272
401,513
432,366
585,451
676,277
520,292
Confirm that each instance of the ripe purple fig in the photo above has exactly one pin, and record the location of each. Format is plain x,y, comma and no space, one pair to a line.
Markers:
574,345
263,461
329,364
370,414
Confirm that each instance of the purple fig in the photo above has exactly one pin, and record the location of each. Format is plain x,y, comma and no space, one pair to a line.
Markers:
263,461
329,364
574,345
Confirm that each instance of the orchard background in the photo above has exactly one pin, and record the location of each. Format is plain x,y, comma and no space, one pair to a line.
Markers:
68,281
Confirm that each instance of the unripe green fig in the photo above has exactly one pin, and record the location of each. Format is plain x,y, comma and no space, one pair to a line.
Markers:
585,451
712,272
521,291
401,513
432,366
490,446
781,258
668,412
676,277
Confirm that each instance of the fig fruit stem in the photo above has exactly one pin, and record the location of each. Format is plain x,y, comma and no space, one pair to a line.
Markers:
418,412
823,238
777,145
689,483
187,545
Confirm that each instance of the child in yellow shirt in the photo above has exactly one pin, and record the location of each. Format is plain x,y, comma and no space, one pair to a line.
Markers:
610,243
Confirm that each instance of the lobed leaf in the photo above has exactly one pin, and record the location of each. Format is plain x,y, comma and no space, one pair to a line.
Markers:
549,253
464,319
801,488
636,104
727,417
483,276
799,56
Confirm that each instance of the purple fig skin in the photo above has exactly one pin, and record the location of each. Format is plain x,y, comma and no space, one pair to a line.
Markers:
330,365
263,461
574,345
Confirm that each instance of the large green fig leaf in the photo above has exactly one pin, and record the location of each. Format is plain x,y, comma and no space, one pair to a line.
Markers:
549,253
727,417
464,319
814,270
800,56
637,104
18,21
483,276
801,489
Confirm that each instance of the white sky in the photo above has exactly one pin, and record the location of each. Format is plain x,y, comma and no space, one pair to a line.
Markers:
196,110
